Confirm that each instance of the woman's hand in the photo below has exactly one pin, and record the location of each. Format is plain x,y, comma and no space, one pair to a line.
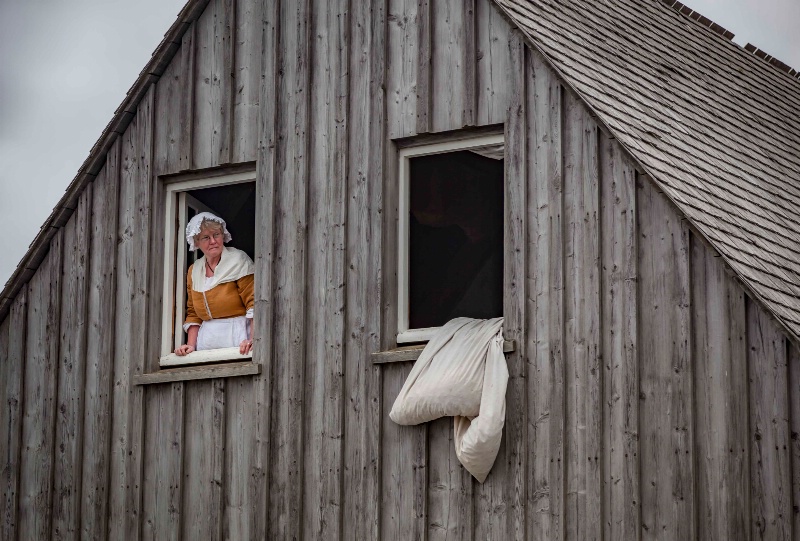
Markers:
246,347
184,350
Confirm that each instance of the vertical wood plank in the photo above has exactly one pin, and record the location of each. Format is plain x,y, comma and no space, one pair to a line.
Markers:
402,57
719,350
621,494
665,419
584,383
13,341
404,467
39,390
362,379
188,88
131,333
450,509
492,64
794,416
545,370
100,349
448,37
258,433
238,510
170,95
71,373
424,25
327,204
203,456
162,479
770,462
249,25
470,55
289,338
211,134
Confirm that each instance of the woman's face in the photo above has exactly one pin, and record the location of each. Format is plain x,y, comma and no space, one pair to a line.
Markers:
210,241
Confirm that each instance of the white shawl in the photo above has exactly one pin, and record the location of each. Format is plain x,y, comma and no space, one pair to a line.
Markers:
233,264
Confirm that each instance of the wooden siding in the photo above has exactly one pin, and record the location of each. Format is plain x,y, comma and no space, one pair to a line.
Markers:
649,397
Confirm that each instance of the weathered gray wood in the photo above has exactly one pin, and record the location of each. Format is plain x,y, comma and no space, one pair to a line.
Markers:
363,281
718,324
203,455
327,207
621,494
665,416
190,373
71,373
794,418
132,303
493,57
12,349
401,67
187,97
448,91
424,24
171,90
39,389
584,384
770,460
289,338
238,510
246,85
450,509
257,433
100,350
412,353
213,81
403,467
162,479
544,333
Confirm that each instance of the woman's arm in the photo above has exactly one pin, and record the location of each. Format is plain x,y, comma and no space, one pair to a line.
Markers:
191,342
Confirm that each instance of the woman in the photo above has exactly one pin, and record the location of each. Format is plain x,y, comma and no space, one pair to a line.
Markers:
219,287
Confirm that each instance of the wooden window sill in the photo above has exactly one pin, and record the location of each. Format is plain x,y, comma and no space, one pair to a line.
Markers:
206,371
412,353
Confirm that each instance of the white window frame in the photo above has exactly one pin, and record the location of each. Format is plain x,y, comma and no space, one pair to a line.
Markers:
404,333
174,309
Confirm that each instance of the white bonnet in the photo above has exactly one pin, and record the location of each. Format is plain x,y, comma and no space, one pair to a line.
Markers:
193,228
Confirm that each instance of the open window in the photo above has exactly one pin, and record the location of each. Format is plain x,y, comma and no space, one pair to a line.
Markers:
231,197
450,234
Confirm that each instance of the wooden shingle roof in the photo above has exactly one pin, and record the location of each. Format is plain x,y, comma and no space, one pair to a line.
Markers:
715,125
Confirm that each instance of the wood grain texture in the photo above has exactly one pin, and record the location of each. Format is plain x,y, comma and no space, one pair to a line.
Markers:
544,509
191,373
13,341
246,84
794,417
171,91
770,460
203,456
188,59
68,446
584,383
327,207
39,391
238,511
719,327
666,406
493,48
449,37
132,305
100,349
363,279
450,487
424,88
404,466
213,85
290,256
402,46
621,494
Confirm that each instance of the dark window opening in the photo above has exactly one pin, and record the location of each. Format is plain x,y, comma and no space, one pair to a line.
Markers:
455,238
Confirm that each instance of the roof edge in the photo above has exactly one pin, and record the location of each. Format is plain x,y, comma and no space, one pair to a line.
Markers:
88,171
794,337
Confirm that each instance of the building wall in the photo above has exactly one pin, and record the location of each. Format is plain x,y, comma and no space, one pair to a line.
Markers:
649,396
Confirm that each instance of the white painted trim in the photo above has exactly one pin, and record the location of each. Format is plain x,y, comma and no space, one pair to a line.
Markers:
175,212
404,334
207,356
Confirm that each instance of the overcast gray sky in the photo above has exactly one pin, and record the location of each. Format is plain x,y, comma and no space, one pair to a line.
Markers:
65,67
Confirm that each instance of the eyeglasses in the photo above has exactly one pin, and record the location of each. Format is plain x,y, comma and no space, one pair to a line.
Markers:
206,238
